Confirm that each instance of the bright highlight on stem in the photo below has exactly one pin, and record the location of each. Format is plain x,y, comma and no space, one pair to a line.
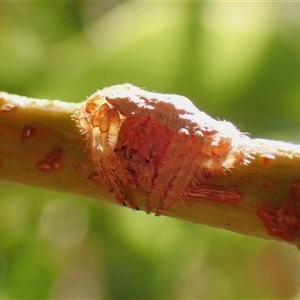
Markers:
40,145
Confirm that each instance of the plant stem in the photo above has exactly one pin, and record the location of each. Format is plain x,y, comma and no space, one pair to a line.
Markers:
41,146
30,132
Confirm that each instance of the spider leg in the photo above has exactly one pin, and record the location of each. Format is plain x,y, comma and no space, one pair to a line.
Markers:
113,172
118,179
175,173
181,180
114,186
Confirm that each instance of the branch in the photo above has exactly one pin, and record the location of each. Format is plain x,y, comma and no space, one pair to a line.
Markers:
41,146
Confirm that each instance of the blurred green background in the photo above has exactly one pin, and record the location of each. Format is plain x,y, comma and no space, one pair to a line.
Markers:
238,61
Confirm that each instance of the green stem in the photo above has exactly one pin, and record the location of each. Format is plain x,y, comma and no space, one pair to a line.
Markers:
41,146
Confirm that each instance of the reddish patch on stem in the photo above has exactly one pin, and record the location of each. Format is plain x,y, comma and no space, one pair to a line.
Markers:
78,168
94,177
268,184
267,158
8,107
51,161
28,132
283,220
215,192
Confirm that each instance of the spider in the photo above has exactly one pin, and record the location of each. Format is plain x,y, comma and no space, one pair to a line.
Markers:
158,142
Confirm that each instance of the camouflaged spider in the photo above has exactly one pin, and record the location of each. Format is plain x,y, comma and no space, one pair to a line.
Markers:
158,142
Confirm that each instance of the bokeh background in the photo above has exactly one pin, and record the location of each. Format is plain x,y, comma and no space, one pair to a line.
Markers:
237,61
